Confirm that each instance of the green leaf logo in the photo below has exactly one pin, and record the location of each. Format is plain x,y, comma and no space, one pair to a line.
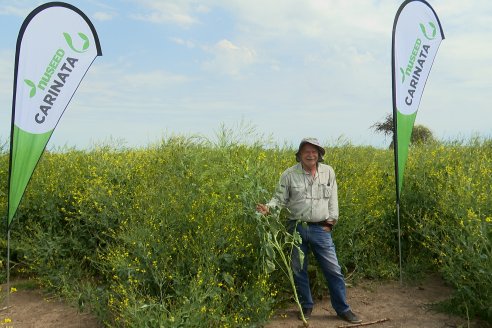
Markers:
424,31
402,75
31,84
69,40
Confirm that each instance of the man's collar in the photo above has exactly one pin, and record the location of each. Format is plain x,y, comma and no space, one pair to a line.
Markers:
307,172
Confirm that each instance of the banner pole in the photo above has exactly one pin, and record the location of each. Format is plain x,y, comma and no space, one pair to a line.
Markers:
395,137
397,177
8,267
399,239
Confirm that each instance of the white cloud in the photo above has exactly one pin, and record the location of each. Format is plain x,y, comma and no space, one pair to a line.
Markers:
182,42
167,12
202,9
6,88
14,10
6,68
230,58
156,78
103,16
289,33
312,18
117,86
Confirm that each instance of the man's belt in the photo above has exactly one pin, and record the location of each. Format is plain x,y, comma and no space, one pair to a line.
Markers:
324,223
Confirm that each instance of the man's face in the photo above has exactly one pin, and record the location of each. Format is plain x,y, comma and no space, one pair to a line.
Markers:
309,155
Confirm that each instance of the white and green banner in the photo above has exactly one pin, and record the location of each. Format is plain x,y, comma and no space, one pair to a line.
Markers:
56,45
417,34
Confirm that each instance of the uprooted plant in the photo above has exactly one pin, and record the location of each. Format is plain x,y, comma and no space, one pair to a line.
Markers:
277,246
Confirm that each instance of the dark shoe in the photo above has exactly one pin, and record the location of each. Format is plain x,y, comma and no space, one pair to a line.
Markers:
350,317
307,313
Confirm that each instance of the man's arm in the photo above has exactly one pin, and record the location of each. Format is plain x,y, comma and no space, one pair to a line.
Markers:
333,201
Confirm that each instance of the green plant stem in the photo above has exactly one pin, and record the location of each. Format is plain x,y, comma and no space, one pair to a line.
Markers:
290,275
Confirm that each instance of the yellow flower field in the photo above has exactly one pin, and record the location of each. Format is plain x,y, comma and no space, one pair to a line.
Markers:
166,235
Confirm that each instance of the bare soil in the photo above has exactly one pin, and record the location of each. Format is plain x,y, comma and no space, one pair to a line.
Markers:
35,309
383,304
406,306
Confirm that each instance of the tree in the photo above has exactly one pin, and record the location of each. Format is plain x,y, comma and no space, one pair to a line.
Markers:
420,133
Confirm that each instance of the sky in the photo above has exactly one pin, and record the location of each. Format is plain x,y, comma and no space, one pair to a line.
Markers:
286,68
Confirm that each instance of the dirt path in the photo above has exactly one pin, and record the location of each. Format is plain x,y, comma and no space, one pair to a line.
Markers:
406,306
33,309
403,306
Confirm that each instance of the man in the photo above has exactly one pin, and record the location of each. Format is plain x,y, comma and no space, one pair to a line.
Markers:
309,190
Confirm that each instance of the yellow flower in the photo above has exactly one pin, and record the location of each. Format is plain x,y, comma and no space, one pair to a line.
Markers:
13,290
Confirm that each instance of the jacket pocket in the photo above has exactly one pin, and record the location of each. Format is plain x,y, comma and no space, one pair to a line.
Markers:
297,192
326,191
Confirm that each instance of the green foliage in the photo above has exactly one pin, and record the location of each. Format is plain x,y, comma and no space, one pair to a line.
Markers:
167,235
447,219
367,224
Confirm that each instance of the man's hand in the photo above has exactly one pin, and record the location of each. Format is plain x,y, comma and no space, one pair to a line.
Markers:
262,208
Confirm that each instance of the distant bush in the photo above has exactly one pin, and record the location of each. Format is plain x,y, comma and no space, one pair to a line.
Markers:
420,133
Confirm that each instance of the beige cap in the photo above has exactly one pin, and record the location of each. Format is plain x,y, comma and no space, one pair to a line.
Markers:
314,142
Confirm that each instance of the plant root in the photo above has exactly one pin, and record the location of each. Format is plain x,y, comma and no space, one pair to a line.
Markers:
364,323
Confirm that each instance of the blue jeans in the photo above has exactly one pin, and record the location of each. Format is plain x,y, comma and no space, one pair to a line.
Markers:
320,242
